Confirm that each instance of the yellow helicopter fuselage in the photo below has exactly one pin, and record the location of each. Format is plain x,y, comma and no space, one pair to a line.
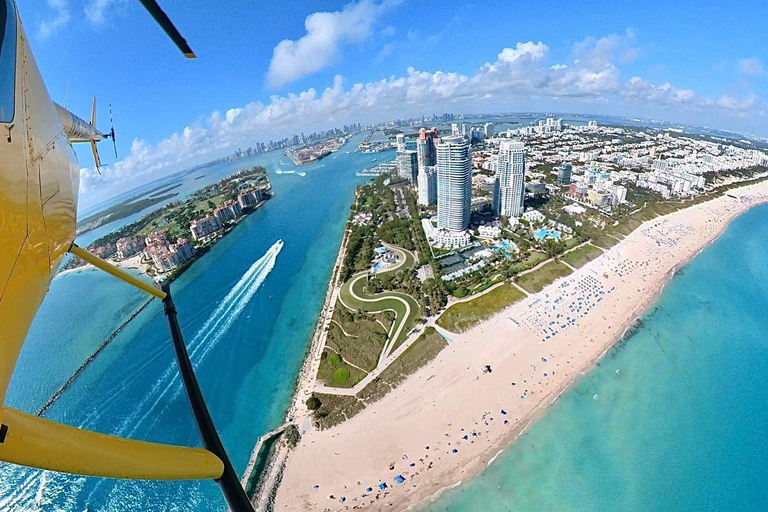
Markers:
39,180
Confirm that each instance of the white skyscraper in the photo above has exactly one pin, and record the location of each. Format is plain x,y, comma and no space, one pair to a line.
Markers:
407,165
427,185
454,183
400,138
509,187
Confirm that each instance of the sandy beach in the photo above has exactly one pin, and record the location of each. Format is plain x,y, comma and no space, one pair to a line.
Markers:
449,420
134,263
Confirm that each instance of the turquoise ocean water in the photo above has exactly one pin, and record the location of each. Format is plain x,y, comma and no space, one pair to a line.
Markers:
247,311
674,419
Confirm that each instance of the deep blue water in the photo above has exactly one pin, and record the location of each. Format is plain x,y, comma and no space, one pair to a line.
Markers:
247,312
675,419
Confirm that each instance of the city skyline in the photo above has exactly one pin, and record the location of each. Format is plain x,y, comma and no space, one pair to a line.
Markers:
363,62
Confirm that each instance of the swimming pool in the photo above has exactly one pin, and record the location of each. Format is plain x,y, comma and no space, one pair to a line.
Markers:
542,233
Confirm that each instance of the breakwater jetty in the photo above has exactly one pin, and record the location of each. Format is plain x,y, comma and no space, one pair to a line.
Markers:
93,356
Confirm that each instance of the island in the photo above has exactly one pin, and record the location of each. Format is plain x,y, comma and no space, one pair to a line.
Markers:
128,207
307,154
165,242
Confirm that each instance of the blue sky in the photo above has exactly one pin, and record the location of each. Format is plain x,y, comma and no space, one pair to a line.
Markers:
269,69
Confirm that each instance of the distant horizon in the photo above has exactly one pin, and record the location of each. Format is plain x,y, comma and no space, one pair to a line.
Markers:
89,208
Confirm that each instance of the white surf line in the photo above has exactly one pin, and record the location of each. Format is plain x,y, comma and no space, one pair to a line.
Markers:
230,306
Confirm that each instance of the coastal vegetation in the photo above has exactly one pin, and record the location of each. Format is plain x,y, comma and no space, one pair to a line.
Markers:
581,256
461,316
126,208
331,409
536,280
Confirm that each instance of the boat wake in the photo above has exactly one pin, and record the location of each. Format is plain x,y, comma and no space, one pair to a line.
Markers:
207,337
32,489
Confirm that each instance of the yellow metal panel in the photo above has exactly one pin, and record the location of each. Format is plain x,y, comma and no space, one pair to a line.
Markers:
44,444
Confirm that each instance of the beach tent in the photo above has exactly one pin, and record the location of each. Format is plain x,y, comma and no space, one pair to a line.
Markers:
382,486
399,479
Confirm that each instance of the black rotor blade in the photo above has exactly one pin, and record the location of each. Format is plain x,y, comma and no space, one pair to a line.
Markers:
164,21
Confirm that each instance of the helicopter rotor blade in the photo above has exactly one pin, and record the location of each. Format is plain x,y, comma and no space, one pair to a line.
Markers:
164,21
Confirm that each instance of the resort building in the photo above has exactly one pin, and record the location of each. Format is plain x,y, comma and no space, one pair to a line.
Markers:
167,256
533,216
454,184
205,227
104,251
156,238
489,231
127,247
445,238
249,198
564,174
407,165
227,211
427,184
509,185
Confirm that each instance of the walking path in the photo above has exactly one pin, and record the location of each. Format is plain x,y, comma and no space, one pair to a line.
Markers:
352,292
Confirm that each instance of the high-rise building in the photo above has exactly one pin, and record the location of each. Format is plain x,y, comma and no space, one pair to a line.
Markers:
400,138
425,148
509,186
408,165
454,183
488,130
455,130
427,185
564,174
466,131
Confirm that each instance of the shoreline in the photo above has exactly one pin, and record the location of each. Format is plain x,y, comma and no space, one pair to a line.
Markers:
297,412
298,472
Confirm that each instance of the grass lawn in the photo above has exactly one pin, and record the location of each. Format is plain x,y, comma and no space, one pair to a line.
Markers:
383,301
581,256
358,337
605,242
460,317
572,242
531,261
535,281
334,372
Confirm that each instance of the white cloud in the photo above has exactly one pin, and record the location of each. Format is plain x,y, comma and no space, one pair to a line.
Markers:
522,78
530,50
751,66
327,33
97,10
57,18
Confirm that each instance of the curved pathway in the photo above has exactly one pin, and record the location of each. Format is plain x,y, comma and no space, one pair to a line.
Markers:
383,301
